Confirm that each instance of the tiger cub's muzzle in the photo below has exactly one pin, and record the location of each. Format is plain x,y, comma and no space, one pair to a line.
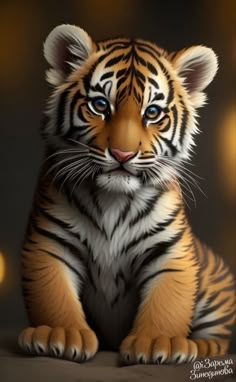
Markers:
121,156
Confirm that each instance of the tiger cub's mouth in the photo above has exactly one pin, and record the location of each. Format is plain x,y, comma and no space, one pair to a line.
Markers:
121,171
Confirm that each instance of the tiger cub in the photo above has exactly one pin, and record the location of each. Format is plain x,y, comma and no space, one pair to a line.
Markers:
109,258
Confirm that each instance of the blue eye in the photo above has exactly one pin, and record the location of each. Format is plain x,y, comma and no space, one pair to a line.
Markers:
152,112
100,105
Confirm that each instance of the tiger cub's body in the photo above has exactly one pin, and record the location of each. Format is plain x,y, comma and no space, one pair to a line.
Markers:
109,255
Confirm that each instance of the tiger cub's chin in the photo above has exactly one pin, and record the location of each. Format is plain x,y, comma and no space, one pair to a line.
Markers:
118,182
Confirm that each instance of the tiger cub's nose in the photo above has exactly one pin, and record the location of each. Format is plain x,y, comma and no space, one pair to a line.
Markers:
121,156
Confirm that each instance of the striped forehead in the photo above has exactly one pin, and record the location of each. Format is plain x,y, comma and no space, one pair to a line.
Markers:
126,67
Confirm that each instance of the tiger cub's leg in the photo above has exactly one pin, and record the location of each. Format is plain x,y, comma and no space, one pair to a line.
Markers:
161,326
59,328
215,308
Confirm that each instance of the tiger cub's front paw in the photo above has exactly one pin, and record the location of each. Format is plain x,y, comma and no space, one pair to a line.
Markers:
72,344
162,349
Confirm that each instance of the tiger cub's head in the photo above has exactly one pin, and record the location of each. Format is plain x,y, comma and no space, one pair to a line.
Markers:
123,111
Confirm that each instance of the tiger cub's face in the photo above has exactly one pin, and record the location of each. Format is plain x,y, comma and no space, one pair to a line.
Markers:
123,111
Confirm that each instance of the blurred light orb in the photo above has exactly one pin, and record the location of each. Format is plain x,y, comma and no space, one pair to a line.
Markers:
2,267
227,153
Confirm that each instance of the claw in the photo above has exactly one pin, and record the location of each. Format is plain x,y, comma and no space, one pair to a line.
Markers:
142,359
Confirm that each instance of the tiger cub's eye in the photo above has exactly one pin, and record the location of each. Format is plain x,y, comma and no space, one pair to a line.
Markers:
100,105
152,112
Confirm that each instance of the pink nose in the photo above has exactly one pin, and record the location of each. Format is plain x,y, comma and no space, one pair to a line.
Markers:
122,156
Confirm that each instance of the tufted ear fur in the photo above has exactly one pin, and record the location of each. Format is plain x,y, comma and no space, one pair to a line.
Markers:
65,48
197,67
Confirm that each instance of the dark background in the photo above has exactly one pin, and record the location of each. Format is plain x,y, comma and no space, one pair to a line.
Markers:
173,25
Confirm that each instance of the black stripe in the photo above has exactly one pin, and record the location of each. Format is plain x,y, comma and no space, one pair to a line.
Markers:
167,270
171,92
86,132
28,287
32,241
167,126
171,219
91,139
216,266
61,111
120,82
222,276
148,51
213,308
120,73
88,76
64,262
82,209
61,107
144,157
114,60
107,75
44,197
114,301
184,121
229,288
96,148
148,45
154,148
221,336
81,115
139,59
146,211
216,322
137,95
24,249
153,82
170,145
212,297
50,235
152,68
96,202
140,84
119,275
116,43
159,143
140,75
158,97
67,227
159,250
120,95
27,279
170,83
201,296
121,218
78,95
174,54
175,121
132,67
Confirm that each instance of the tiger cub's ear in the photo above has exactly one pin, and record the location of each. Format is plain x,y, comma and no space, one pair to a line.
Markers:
65,48
197,67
